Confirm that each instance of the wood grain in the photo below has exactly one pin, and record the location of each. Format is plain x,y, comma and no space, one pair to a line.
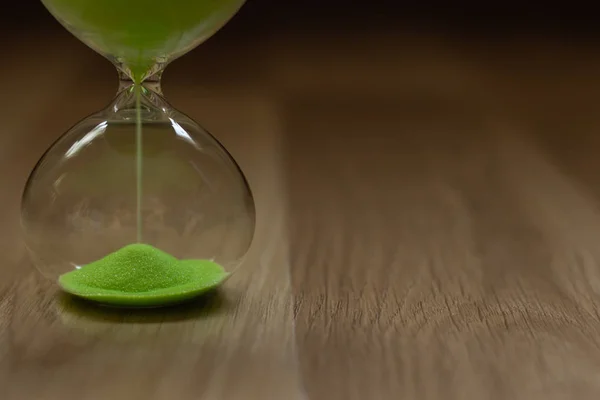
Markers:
428,222
439,252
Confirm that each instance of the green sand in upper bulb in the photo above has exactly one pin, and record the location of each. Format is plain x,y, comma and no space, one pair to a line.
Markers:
141,33
140,275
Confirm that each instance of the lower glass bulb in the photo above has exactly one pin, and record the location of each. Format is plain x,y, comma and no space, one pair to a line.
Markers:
93,192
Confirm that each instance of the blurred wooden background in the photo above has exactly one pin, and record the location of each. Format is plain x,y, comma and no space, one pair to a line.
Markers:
428,213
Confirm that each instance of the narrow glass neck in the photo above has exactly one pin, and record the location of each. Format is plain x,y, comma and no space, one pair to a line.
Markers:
134,99
152,83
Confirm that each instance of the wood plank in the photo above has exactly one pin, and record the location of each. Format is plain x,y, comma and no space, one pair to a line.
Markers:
428,228
437,254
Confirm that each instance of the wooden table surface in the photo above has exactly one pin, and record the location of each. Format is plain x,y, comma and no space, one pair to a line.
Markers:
428,226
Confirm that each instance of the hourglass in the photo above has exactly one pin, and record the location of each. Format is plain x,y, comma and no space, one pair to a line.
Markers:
137,205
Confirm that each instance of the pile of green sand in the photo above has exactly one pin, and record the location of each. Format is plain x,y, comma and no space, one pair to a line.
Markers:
141,275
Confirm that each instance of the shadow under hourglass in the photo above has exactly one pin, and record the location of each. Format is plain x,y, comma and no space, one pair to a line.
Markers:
207,306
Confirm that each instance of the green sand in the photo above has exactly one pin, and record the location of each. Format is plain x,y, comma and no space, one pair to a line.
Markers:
143,32
140,275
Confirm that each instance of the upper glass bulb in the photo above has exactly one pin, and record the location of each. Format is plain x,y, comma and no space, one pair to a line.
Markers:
92,193
142,36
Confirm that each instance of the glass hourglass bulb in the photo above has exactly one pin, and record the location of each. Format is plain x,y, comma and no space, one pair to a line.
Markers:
139,172
141,36
82,199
